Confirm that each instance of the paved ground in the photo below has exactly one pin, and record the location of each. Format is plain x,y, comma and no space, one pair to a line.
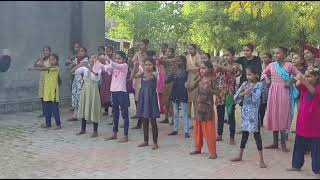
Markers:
27,151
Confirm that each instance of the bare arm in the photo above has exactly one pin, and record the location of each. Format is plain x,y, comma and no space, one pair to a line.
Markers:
302,81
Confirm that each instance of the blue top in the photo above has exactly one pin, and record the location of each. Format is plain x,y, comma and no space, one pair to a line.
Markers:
179,92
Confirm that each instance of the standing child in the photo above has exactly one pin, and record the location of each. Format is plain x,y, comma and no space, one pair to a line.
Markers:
77,83
90,104
43,61
204,124
281,97
51,91
301,65
266,60
148,109
228,72
120,96
179,95
105,93
193,64
250,94
308,124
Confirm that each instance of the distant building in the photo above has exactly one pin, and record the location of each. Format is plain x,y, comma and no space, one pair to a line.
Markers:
27,26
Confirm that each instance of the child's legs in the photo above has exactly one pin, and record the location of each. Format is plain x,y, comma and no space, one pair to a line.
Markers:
176,116
124,104
116,111
244,139
298,152
315,155
184,107
276,138
146,129
232,122
208,128
42,105
154,130
283,137
262,112
56,112
95,127
47,113
220,112
257,138
198,136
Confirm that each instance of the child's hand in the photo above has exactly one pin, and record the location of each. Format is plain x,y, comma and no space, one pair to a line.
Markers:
268,81
299,77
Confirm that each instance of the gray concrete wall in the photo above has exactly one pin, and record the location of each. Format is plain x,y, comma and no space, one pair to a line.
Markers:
25,27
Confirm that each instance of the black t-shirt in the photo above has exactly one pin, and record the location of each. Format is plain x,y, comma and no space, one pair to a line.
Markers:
5,62
244,62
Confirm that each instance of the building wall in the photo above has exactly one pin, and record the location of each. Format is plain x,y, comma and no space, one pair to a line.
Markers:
25,27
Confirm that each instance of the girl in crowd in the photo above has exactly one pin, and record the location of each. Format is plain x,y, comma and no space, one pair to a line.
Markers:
70,65
179,95
249,60
308,134
281,97
169,67
140,56
301,65
51,90
77,83
193,64
105,93
43,61
250,94
266,60
160,83
148,109
228,72
310,56
120,96
90,104
204,124
101,50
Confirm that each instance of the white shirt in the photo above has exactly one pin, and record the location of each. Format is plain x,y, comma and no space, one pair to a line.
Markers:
87,73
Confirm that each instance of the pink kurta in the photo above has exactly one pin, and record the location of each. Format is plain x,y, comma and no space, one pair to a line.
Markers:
278,110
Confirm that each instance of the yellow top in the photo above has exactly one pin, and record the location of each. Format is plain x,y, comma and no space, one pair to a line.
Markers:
51,85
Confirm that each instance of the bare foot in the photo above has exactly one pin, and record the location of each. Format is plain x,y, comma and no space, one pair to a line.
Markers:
155,147
262,164
195,152
111,138
143,144
293,169
236,159
124,139
219,138
232,141
213,156
80,133
272,146
94,134
285,149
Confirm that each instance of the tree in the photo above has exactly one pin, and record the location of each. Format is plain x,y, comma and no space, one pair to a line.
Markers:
158,21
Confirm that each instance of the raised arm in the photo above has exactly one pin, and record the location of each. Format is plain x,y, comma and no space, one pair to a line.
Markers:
137,71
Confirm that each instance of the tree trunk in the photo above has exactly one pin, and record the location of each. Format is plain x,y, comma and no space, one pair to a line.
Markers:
302,40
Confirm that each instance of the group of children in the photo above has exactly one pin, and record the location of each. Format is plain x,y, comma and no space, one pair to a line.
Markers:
165,82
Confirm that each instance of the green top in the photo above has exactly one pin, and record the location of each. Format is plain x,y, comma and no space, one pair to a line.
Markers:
51,85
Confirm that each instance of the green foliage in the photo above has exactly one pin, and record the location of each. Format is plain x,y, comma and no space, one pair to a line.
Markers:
215,25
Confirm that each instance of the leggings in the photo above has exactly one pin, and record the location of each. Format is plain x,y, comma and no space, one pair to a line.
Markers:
154,130
276,137
257,137
84,125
